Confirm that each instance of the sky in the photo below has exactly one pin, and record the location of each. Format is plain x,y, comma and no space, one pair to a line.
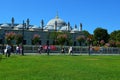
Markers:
91,13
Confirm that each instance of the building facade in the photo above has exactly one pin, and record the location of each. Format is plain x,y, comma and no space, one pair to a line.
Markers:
55,24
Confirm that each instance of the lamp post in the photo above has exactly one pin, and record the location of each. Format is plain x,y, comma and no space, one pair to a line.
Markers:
42,24
89,46
3,41
23,38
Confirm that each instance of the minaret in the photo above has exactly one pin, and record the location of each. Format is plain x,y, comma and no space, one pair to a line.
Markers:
42,24
80,26
68,26
25,26
27,23
57,16
12,21
75,26
55,26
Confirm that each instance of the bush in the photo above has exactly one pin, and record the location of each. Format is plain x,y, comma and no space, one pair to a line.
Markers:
118,44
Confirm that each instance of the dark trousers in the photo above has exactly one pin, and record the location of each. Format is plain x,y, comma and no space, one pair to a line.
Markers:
48,51
8,53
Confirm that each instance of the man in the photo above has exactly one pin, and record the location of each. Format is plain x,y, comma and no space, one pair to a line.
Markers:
8,48
70,50
48,49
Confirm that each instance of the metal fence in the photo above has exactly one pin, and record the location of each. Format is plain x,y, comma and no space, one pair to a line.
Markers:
76,49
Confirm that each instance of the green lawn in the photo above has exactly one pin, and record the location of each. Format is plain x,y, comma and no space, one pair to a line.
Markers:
37,67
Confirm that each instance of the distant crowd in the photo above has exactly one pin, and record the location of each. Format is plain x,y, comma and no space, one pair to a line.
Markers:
8,49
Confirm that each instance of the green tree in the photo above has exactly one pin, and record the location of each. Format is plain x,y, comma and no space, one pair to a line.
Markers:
9,37
80,39
53,35
90,40
112,43
69,38
102,43
86,33
113,35
101,34
36,39
115,38
118,44
118,37
62,38
18,38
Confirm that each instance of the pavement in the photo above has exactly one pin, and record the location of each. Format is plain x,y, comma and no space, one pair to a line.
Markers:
65,54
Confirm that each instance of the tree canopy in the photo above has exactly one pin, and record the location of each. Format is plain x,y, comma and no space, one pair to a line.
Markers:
86,33
101,34
115,35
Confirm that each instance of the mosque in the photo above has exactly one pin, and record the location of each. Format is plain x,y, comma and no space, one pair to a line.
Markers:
55,24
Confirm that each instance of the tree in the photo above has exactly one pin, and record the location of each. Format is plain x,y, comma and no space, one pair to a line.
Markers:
61,38
112,43
90,40
118,44
53,35
80,39
102,43
69,39
101,34
118,37
113,35
115,38
36,39
86,33
18,38
9,37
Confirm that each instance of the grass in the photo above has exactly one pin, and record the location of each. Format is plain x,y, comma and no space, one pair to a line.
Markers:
37,67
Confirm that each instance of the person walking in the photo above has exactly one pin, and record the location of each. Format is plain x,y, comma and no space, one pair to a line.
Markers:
48,49
17,49
40,48
8,52
70,50
63,50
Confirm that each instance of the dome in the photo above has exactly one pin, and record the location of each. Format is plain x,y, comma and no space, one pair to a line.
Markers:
75,30
5,25
64,28
35,27
19,26
59,21
49,27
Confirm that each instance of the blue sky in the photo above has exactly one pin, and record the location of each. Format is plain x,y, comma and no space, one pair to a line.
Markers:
91,13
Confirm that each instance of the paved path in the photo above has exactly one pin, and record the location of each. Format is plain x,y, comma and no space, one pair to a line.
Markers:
64,54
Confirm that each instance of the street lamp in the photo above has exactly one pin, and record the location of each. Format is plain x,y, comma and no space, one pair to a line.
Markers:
23,38
3,41
89,46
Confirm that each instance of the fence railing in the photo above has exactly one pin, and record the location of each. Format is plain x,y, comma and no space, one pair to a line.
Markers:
76,49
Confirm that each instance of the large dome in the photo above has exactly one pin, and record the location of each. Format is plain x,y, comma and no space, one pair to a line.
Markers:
5,25
59,21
